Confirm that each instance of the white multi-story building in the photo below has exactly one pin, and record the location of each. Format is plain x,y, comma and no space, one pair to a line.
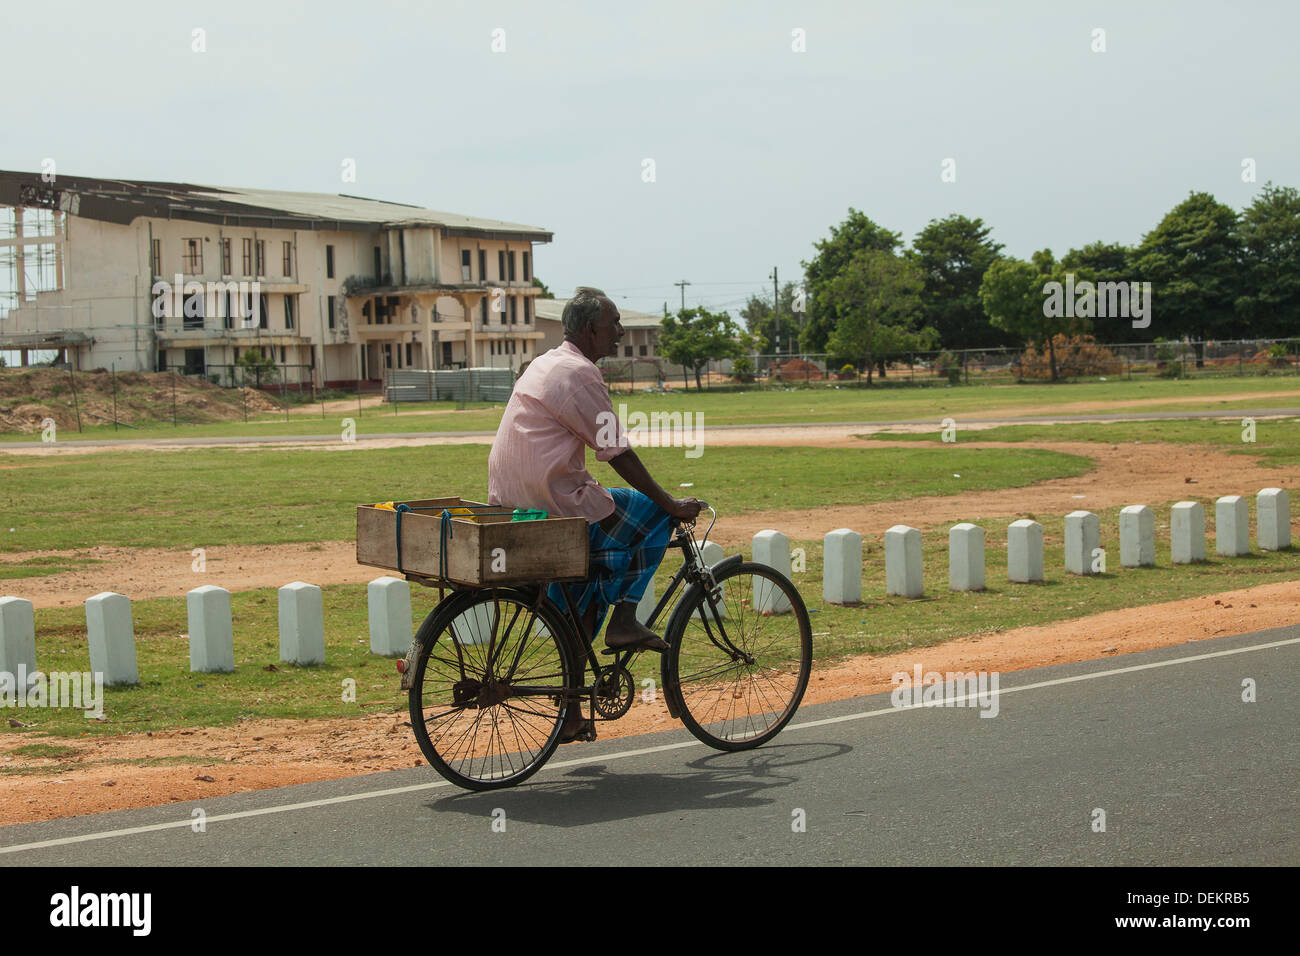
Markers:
334,289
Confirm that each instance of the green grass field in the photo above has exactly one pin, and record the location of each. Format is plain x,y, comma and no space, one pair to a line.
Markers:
1276,441
212,496
768,407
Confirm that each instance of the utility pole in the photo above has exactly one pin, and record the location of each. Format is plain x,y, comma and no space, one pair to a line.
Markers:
776,308
682,285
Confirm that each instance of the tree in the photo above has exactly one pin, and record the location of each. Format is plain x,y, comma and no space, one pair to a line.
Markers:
877,308
1014,294
545,293
856,233
694,337
1269,235
1105,262
952,255
254,363
773,334
1192,260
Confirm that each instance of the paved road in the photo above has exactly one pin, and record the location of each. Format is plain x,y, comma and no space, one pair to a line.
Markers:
1186,772
333,436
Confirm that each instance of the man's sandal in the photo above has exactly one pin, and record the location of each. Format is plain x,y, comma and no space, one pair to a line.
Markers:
649,644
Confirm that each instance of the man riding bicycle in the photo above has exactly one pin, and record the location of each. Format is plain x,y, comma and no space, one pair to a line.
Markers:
560,407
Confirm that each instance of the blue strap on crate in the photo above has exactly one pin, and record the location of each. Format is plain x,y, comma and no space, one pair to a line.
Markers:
446,530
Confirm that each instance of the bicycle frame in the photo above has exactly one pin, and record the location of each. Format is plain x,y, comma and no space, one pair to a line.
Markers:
693,571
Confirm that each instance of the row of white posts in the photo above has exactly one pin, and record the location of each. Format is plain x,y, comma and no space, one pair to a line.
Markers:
110,630
111,633
841,581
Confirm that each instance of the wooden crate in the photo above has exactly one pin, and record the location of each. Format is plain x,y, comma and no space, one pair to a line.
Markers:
552,549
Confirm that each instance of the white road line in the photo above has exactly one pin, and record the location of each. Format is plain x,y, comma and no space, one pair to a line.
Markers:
603,758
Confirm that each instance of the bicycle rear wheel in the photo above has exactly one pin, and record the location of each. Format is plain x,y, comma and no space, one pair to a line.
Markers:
488,696
738,668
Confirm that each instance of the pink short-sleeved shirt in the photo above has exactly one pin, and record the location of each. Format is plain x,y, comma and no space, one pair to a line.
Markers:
559,408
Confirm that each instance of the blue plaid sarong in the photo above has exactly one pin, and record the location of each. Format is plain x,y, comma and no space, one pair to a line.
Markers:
622,560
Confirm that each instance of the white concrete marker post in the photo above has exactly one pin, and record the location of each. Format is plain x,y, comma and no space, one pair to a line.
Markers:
1024,551
302,624
773,549
110,633
711,553
389,604
1273,519
903,562
1137,537
212,638
966,557
842,567
1231,526
17,641
645,607
1187,532
1082,537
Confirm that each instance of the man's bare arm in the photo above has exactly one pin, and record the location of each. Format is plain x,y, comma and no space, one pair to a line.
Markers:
631,470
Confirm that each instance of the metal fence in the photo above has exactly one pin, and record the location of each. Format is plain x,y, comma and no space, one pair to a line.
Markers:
459,385
1074,359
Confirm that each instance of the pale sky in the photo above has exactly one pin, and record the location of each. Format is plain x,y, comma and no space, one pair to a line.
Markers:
757,149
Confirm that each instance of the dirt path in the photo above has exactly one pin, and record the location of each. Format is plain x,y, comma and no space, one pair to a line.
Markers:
1123,475
258,754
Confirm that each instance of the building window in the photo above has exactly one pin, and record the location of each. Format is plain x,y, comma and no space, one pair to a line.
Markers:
379,264
408,355
192,259
528,309
330,300
263,304
192,307
512,267
501,265
225,257
281,354
464,266
643,350
288,258
484,310
329,262
157,257
528,267
261,257
482,266
627,351
514,310
248,257
288,312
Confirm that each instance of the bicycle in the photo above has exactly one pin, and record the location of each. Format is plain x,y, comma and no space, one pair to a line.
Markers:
489,694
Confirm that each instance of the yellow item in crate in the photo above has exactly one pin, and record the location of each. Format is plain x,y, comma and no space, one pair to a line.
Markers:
463,513
386,506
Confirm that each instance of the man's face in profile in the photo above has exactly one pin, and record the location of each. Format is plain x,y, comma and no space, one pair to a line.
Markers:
607,331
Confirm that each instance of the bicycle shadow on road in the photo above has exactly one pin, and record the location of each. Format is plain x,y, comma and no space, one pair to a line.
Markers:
599,793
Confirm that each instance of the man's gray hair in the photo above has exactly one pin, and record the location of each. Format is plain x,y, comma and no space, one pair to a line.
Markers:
583,310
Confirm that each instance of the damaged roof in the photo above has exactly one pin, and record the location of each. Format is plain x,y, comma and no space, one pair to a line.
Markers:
124,200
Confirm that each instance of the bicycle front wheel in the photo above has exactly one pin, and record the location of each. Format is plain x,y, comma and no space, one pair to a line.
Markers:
738,667
488,696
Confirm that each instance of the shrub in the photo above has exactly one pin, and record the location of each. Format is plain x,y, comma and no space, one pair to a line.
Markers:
1076,355
742,369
